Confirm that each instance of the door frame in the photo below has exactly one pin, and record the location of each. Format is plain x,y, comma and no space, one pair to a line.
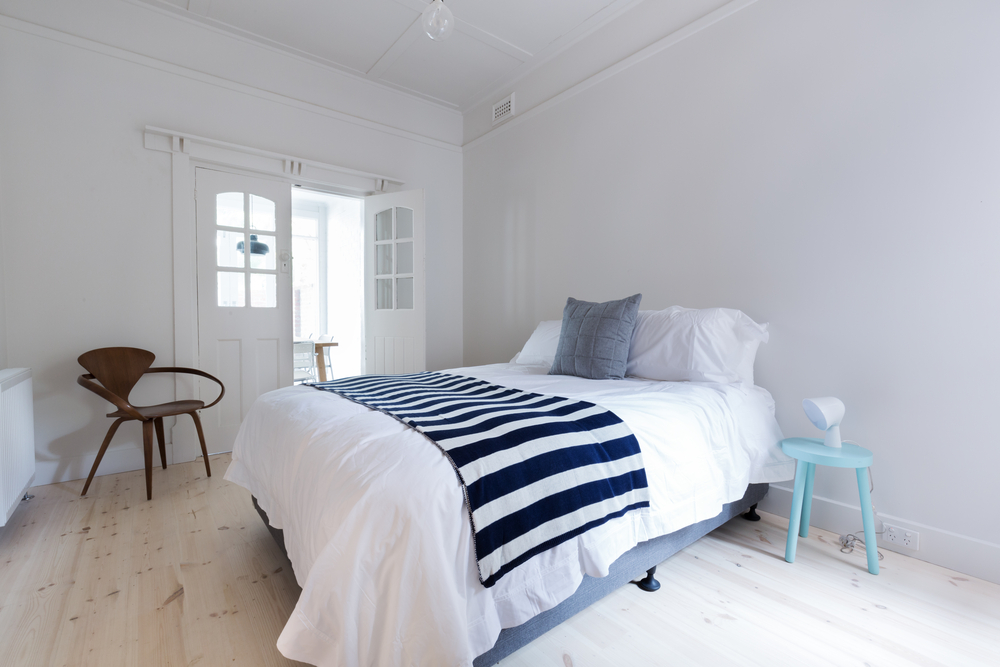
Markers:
186,153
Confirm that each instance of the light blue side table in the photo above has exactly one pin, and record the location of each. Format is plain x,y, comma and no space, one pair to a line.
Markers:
809,452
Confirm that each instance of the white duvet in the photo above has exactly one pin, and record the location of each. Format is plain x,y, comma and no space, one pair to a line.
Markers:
380,542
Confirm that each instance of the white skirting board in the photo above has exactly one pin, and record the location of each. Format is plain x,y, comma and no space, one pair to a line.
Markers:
117,459
968,555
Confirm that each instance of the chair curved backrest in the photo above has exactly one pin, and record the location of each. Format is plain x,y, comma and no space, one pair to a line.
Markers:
117,368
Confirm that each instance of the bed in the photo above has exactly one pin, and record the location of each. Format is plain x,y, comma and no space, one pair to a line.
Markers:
371,514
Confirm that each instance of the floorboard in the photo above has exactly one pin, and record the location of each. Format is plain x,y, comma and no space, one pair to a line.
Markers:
194,578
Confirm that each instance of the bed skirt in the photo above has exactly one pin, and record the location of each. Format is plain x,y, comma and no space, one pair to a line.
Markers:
632,565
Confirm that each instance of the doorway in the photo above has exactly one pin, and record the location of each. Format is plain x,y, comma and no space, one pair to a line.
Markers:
328,277
356,281
244,304
196,279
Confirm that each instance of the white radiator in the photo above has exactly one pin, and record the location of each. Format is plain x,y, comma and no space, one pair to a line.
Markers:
17,438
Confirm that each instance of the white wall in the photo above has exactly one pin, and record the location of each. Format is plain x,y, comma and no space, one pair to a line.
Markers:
644,23
87,210
829,168
3,280
160,37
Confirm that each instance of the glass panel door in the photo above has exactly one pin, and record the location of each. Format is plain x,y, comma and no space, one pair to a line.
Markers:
394,259
236,277
244,293
395,319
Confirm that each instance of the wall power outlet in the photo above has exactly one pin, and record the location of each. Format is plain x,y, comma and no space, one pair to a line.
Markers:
901,537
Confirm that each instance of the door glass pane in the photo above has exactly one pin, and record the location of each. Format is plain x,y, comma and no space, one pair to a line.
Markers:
404,223
404,257
261,252
383,225
263,290
231,289
227,253
404,293
261,213
383,291
383,259
229,209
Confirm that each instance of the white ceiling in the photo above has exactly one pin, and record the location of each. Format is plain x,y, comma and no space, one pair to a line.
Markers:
495,41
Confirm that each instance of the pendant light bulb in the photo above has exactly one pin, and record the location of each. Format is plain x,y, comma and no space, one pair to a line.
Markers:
438,21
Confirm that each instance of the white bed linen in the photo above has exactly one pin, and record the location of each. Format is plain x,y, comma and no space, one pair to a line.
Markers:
379,539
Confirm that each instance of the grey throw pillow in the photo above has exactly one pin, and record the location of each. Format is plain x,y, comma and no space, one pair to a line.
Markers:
595,338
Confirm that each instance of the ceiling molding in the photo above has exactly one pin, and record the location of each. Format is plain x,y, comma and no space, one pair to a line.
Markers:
197,13
656,47
490,39
475,32
199,7
179,13
211,79
588,27
404,42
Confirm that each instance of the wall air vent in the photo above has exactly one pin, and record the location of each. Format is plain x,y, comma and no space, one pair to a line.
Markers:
503,109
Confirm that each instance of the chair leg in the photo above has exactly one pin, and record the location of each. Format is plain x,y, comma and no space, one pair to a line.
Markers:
100,453
201,438
158,422
147,455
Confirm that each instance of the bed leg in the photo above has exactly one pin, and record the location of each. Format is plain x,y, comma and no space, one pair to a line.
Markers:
649,584
752,515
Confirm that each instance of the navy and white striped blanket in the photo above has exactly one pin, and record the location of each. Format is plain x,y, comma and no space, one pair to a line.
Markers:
537,470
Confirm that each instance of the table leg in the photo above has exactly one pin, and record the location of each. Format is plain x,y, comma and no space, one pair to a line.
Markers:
868,518
320,364
807,500
795,516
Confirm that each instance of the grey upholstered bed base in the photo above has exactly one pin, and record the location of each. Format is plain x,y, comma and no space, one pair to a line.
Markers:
630,566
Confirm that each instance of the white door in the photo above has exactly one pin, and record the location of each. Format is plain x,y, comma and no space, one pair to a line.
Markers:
395,307
244,294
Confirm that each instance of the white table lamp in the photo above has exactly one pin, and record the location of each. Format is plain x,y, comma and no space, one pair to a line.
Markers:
826,413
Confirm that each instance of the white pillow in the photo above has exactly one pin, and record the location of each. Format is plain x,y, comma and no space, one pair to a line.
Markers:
708,345
541,346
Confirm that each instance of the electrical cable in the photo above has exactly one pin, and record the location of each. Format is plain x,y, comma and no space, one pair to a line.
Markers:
849,541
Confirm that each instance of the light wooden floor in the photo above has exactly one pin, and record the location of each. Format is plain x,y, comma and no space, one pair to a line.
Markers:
193,578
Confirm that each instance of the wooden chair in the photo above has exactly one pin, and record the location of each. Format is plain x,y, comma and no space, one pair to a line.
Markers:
118,369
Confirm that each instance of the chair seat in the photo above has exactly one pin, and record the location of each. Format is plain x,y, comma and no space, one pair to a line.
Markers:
171,409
